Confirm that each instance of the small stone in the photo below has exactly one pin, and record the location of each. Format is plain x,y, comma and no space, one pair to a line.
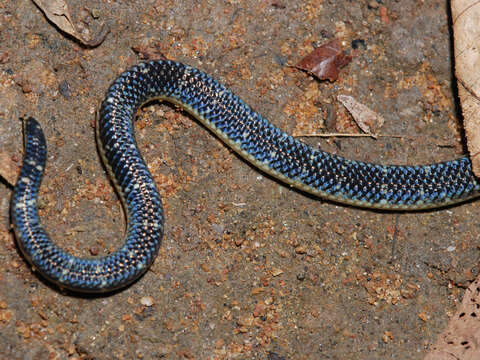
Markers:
257,290
94,250
338,229
300,249
64,89
5,315
242,329
245,321
70,349
219,343
26,87
239,241
95,13
259,310
423,317
276,272
163,351
204,267
146,301
387,336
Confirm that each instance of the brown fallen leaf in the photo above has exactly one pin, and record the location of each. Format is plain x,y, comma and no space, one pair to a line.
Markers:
366,119
58,13
465,18
461,338
325,61
8,168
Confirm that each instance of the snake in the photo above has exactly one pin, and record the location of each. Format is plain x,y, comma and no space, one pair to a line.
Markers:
272,151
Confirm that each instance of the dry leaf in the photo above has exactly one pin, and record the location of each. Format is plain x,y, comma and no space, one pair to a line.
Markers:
58,13
367,120
461,338
8,168
466,17
324,62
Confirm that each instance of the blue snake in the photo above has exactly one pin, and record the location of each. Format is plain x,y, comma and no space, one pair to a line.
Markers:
254,138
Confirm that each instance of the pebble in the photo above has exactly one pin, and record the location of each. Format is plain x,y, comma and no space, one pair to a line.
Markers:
146,301
300,249
276,272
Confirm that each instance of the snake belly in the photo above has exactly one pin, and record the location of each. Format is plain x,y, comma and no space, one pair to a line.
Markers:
254,138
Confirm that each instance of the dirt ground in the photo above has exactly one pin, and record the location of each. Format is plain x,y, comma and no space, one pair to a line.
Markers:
249,269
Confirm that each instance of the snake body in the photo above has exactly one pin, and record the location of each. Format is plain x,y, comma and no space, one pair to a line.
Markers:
245,131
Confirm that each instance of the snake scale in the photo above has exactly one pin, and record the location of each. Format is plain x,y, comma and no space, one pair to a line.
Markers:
254,138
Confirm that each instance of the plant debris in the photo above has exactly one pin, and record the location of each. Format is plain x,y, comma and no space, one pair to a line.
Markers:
325,61
460,339
366,119
465,17
58,13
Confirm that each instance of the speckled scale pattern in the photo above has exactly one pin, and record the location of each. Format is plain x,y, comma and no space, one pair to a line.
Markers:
144,234
249,134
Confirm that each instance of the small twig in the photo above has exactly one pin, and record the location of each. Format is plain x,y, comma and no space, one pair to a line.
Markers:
394,238
354,135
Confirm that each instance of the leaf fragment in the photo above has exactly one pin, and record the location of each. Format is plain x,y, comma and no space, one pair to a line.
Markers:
325,61
368,120
57,12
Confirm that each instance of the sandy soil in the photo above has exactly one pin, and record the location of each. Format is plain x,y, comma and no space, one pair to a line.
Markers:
249,269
